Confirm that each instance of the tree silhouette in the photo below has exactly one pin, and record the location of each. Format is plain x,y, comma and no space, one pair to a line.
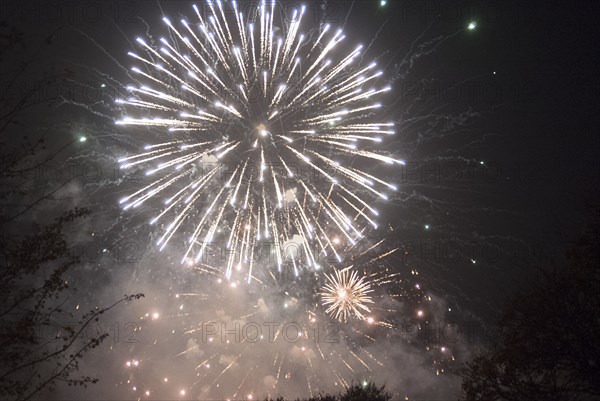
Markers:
355,392
548,345
41,341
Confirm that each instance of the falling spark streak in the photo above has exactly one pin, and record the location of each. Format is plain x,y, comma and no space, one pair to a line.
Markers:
219,87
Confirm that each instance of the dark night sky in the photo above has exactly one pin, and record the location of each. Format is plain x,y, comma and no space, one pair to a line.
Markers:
533,79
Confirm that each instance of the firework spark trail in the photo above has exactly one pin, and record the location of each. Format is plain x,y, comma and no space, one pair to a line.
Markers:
234,94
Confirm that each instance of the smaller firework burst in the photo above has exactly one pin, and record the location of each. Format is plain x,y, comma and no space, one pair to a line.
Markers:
346,294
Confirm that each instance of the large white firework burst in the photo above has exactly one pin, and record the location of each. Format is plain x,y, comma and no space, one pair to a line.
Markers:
346,294
266,129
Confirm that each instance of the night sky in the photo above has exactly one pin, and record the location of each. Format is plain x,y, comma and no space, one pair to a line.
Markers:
495,113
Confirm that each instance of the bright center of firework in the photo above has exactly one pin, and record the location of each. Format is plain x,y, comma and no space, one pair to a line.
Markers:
262,130
262,101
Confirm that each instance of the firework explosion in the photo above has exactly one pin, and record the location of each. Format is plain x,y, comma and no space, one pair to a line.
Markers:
346,294
264,127
267,128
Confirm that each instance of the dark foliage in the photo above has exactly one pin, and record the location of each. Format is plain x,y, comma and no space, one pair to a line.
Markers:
548,345
42,340
356,392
